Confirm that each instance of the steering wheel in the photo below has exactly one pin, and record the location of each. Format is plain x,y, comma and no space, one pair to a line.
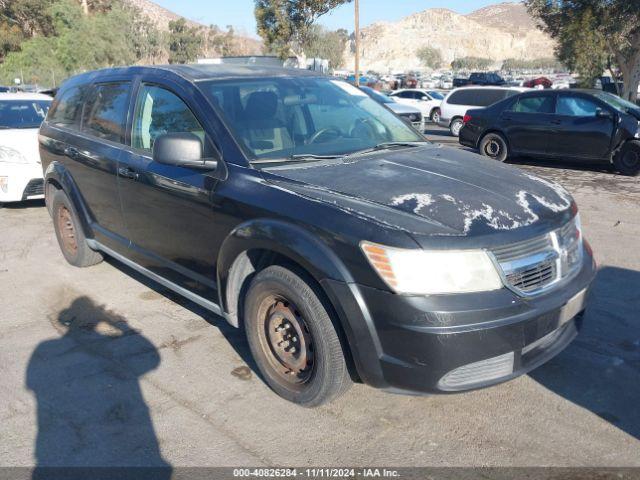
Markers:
324,131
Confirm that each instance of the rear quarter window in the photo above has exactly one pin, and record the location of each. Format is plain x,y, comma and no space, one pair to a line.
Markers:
66,108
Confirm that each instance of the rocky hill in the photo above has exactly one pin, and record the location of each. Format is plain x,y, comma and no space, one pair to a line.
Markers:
498,32
160,17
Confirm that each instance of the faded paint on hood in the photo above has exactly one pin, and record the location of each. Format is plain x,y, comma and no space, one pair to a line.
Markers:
24,140
430,190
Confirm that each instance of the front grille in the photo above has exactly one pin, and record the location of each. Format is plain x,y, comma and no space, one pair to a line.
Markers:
532,266
412,117
533,278
523,249
33,188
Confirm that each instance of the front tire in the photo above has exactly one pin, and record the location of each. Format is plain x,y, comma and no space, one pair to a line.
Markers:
293,339
627,160
435,116
71,238
494,145
455,127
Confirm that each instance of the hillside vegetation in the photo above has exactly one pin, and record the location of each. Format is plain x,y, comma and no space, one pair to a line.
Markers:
45,41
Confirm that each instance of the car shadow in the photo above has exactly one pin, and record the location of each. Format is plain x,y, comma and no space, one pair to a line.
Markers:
39,203
600,370
235,336
90,408
564,165
440,132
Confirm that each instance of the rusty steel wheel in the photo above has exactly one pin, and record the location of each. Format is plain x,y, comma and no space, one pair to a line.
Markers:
286,340
293,338
67,231
71,239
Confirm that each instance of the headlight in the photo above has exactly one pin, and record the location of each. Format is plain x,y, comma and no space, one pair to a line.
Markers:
637,135
11,155
424,272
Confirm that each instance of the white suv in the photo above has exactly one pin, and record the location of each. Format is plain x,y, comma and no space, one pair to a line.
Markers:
427,101
455,105
20,171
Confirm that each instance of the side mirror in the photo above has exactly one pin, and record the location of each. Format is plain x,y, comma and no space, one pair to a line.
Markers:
602,113
183,150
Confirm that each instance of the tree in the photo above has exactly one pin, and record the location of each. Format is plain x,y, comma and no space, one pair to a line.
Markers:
430,57
185,42
471,63
323,43
606,29
285,25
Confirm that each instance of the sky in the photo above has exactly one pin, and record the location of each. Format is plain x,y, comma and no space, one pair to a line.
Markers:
239,13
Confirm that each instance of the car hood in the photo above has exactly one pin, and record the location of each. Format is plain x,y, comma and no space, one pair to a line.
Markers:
24,140
431,191
401,108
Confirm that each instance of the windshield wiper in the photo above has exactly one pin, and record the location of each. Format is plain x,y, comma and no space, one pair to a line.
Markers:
298,157
388,146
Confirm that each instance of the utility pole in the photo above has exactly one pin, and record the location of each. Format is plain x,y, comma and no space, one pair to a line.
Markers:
357,34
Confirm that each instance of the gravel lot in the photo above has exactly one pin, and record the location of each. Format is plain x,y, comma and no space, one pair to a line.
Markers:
145,378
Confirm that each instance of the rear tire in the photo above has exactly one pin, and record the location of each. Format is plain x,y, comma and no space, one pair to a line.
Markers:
627,160
71,238
293,339
494,145
455,127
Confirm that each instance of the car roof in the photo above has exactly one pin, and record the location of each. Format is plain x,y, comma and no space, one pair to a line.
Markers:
24,96
199,72
490,87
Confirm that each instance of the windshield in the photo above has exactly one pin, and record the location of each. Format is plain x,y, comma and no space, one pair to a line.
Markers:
282,118
616,102
436,95
377,96
23,113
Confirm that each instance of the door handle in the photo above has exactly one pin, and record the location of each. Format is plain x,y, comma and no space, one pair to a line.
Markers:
128,172
71,152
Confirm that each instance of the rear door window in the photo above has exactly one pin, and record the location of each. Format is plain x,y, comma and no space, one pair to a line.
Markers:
537,104
105,115
576,106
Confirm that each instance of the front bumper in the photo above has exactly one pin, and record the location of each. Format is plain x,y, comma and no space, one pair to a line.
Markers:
449,343
23,182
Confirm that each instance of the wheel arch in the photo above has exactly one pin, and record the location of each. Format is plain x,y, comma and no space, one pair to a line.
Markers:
56,176
253,245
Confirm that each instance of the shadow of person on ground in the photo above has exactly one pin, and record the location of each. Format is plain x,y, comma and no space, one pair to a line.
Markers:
90,408
600,370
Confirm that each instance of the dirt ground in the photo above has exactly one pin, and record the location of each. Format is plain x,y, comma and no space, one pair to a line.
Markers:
101,366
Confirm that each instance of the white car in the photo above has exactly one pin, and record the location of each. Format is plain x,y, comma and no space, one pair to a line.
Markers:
20,170
427,101
458,101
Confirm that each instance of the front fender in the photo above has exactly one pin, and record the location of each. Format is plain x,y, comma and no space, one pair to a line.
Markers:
284,238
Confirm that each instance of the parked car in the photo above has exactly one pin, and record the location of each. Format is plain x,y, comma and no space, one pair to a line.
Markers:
406,112
583,125
20,171
540,82
480,79
458,101
292,204
427,101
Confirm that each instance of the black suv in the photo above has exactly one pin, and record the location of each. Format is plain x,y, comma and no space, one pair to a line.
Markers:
292,204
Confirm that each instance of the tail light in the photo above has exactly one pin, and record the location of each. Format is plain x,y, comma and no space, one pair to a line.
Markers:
466,119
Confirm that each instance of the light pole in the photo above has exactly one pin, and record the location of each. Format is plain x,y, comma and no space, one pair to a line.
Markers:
357,34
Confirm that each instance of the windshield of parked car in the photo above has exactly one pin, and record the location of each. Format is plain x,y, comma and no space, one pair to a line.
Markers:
616,102
436,95
293,117
377,96
23,113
